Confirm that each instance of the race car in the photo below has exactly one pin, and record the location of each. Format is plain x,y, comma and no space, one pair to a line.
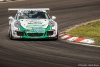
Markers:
32,23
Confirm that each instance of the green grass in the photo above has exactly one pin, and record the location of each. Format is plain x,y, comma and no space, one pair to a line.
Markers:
91,30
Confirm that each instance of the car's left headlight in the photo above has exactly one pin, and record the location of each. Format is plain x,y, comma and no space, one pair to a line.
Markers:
51,23
17,24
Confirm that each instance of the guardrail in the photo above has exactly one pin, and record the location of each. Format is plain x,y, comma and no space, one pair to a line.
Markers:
6,0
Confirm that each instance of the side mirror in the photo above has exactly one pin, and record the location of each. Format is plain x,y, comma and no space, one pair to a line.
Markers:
10,18
53,17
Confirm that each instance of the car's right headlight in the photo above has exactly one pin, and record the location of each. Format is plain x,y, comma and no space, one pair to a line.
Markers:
51,23
17,24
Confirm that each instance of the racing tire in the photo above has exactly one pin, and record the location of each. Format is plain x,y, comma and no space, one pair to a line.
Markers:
56,38
10,35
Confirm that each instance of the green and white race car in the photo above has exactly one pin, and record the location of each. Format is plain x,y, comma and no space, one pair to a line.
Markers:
32,23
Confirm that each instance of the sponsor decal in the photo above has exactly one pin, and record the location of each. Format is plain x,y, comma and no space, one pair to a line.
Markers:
36,30
35,22
29,10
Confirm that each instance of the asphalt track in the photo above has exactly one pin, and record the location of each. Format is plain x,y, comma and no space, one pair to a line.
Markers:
37,53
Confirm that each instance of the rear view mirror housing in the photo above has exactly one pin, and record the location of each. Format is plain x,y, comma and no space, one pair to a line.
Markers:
53,17
10,18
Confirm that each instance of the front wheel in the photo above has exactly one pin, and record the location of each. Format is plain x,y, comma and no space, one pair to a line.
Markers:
10,35
56,38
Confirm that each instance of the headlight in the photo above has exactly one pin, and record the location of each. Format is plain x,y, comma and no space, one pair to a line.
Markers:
17,24
51,23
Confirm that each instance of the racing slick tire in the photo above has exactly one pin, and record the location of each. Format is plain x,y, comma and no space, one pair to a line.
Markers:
10,35
56,37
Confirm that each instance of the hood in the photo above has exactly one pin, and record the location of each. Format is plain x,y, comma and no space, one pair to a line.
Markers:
29,23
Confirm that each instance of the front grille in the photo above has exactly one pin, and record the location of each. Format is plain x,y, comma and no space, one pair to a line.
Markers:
35,34
20,33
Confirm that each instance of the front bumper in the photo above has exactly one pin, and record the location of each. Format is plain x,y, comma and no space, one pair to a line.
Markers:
24,35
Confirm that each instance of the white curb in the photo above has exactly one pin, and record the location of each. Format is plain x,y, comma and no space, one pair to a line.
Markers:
90,41
63,37
72,39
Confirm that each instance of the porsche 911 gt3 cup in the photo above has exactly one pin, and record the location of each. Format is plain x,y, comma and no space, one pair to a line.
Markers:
33,23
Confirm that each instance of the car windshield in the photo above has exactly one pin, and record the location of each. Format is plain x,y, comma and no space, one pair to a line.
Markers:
34,15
